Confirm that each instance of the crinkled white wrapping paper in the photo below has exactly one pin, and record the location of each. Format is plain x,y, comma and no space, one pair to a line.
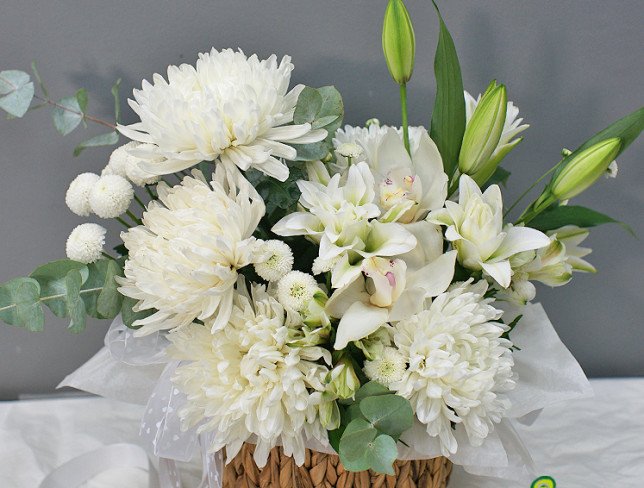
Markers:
548,374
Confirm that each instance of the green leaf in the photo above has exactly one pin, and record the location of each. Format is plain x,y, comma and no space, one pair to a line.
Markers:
20,304
74,302
390,414
311,152
16,92
358,434
627,129
332,105
573,215
39,79
107,139
67,115
129,316
99,292
82,99
309,103
117,102
372,388
53,285
499,177
381,454
448,118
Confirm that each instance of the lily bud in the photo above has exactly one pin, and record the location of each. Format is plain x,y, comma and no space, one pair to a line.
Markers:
584,169
483,133
398,41
342,379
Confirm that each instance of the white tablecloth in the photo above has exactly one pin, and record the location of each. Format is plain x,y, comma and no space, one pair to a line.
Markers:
596,442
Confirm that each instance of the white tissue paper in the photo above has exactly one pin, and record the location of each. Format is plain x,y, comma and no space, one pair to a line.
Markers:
136,370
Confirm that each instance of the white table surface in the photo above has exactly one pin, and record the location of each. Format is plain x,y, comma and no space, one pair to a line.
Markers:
596,442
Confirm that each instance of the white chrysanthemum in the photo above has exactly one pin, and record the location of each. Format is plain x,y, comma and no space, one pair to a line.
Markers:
459,365
110,196
349,150
183,261
277,260
387,367
248,382
77,196
296,289
125,162
85,243
229,107
321,265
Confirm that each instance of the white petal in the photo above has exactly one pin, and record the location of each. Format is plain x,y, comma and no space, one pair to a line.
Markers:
358,322
519,239
344,297
501,272
436,277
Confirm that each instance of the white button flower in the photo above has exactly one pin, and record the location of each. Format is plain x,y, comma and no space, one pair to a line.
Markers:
230,108
85,243
77,196
475,228
110,196
183,261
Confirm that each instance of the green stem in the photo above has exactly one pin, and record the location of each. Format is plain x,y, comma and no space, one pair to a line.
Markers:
134,218
123,222
405,122
107,255
150,192
521,197
139,201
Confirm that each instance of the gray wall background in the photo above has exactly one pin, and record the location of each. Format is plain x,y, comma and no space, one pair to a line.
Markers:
571,66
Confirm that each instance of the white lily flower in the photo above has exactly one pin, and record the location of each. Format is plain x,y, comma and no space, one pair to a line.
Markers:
386,292
475,228
341,218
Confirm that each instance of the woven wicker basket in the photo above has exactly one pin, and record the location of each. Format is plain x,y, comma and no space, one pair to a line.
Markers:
325,471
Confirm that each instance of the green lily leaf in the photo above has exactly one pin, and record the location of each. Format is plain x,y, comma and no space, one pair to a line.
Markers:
448,118
556,217
16,92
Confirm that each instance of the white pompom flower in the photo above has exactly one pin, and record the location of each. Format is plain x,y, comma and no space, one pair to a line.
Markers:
387,367
276,260
229,108
459,365
111,196
118,161
296,290
85,243
125,162
77,196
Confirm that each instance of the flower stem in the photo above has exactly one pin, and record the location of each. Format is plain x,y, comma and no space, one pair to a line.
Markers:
139,201
123,222
134,218
150,192
522,196
405,122
108,256
83,115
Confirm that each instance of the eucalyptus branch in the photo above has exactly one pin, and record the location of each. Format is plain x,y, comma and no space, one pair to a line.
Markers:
67,109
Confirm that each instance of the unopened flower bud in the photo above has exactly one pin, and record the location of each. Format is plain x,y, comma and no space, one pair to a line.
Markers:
398,41
584,169
342,379
483,132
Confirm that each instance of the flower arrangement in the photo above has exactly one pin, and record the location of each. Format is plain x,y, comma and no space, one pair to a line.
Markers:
354,290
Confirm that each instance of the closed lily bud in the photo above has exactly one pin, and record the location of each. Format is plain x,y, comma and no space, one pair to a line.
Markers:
584,169
398,41
342,379
483,132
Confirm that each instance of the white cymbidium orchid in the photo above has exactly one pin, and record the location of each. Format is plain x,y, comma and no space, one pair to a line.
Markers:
341,218
475,228
387,291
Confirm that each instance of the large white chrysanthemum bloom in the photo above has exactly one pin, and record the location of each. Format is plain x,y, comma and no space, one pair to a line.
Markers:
85,243
183,261
77,196
459,366
110,196
248,382
229,107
